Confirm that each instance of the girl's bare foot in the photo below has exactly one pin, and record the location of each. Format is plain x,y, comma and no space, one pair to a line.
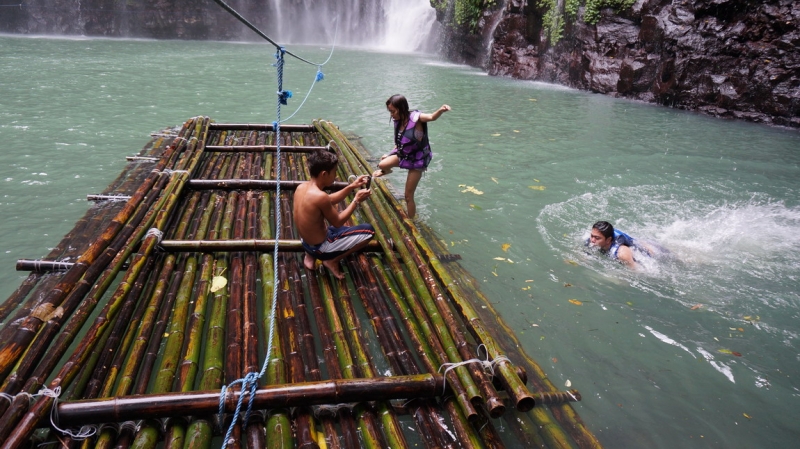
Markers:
308,262
334,268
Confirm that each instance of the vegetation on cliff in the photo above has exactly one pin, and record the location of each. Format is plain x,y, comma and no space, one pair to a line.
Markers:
558,12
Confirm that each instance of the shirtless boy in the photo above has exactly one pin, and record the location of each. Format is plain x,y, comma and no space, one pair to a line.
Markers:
313,206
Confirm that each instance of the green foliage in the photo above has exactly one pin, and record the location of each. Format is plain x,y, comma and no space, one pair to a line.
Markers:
553,20
468,12
592,13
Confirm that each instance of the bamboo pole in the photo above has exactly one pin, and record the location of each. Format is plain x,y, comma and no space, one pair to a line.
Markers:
263,148
258,127
33,375
253,184
154,406
27,424
27,330
241,244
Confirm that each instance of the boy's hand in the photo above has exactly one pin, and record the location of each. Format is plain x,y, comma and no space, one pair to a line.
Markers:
360,181
362,195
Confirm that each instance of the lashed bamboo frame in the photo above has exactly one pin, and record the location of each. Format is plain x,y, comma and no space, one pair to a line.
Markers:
163,330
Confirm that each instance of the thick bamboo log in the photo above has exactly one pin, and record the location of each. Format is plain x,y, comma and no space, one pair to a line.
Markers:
262,148
26,425
258,127
153,406
253,184
30,327
42,266
241,245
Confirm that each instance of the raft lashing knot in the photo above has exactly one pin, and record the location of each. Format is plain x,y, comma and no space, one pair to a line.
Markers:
488,365
155,232
85,432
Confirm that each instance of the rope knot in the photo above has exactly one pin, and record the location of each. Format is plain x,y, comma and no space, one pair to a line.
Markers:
284,96
320,75
155,232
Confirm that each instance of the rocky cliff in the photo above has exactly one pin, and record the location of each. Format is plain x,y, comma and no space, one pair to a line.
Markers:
727,58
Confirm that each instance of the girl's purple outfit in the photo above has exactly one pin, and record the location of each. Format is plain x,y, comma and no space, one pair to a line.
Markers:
411,146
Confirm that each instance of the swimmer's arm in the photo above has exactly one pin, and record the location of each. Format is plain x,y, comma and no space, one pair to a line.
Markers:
625,255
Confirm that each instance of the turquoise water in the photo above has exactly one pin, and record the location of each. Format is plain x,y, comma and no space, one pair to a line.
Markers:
653,352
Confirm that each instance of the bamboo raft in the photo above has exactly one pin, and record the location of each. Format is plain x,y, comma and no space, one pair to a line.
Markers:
124,334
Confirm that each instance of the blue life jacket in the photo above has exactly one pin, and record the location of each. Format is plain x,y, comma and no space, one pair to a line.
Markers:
620,239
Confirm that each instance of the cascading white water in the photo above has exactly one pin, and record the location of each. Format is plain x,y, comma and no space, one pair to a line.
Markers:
395,25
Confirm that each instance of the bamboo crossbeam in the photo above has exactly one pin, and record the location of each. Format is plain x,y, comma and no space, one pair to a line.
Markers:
40,266
107,197
263,148
141,158
258,127
243,245
152,406
253,184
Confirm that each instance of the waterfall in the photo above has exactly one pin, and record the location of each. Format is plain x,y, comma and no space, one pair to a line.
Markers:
394,25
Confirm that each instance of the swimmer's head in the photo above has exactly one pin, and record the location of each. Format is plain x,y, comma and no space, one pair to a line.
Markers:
602,235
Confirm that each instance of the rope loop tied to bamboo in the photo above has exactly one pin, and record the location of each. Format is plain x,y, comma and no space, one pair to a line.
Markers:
488,365
249,382
156,233
85,432
332,409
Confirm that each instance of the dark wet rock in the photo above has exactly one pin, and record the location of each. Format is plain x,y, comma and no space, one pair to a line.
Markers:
728,58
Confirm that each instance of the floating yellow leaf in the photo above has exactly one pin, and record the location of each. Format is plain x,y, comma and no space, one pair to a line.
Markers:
746,416
696,306
495,180
499,258
217,283
526,288
629,303
572,262
576,302
516,130
505,246
495,134
509,261
531,99
537,187
475,207
471,189
567,284
528,280
726,351
740,329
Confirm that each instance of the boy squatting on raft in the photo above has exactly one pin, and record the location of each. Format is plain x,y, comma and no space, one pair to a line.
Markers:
312,206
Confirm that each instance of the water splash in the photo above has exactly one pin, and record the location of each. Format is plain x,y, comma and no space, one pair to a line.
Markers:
735,253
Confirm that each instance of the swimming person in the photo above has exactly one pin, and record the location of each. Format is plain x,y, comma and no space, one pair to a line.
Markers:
412,150
617,244
313,206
